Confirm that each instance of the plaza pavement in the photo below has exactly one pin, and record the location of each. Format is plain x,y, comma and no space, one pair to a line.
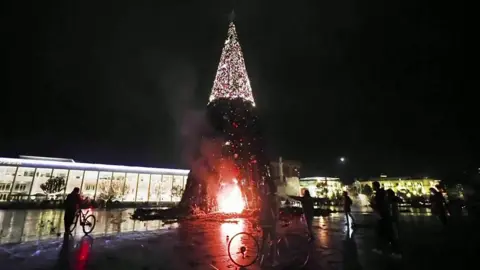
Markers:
203,245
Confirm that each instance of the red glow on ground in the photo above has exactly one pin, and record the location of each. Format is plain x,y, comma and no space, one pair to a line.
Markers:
230,199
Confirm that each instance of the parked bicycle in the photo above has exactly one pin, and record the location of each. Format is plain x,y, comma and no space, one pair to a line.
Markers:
87,221
293,249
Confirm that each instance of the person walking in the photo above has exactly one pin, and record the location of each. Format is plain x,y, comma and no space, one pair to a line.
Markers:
347,209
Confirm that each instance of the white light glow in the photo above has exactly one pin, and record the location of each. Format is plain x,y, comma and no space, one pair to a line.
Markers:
87,166
230,199
231,80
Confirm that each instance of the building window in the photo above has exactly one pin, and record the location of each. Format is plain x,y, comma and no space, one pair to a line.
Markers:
130,187
103,188
24,176
155,187
142,190
74,180
90,181
42,175
177,188
166,188
7,174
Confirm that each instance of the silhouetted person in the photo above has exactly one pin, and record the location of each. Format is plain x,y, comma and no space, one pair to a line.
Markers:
393,202
347,209
439,206
71,205
307,206
385,233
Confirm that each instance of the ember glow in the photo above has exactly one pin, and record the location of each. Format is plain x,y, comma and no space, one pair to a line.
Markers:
230,199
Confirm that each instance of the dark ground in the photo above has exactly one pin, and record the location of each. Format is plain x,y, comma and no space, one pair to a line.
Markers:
203,245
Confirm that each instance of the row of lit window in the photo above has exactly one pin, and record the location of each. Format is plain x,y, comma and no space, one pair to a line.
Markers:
17,187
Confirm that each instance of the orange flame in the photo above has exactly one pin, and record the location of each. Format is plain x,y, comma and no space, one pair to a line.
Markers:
230,199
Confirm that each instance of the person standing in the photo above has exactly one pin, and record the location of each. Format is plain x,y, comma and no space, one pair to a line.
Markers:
347,209
308,210
394,211
71,205
384,224
439,205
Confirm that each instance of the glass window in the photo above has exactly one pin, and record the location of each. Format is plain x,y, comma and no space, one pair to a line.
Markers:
23,181
89,184
155,185
166,188
60,173
117,186
103,189
7,174
119,176
142,189
177,188
41,177
61,179
74,180
130,187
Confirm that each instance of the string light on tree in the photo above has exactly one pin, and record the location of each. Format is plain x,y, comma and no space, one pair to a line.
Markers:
232,80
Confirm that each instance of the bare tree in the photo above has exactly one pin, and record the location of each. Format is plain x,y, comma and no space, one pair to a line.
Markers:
53,185
112,189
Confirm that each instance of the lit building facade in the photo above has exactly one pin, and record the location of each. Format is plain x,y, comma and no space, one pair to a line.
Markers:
322,187
21,179
406,185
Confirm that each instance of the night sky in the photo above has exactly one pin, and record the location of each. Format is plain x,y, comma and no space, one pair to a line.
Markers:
119,82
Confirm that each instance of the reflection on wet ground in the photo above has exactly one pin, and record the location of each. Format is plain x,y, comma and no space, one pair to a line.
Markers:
29,225
203,245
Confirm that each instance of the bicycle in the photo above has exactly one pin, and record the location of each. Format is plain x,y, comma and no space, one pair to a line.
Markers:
87,221
293,249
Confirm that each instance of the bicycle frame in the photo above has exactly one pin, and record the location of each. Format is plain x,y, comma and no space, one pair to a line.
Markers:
81,215
266,248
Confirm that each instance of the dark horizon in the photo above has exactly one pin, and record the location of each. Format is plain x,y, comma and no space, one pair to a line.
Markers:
381,84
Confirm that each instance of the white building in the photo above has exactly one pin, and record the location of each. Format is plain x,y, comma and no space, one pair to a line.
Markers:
322,187
21,178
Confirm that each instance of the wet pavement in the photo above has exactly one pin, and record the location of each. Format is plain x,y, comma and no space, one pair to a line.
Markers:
33,225
203,245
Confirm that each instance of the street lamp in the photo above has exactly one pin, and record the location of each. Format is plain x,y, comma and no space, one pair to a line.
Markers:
342,159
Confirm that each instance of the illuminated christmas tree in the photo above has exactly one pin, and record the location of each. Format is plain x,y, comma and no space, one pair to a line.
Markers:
231,80
235,154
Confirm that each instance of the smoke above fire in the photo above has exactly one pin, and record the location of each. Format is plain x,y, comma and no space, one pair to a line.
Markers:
204,153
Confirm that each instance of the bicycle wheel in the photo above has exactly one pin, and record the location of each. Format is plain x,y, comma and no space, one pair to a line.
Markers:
243,249
89,224
293,251
73,225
